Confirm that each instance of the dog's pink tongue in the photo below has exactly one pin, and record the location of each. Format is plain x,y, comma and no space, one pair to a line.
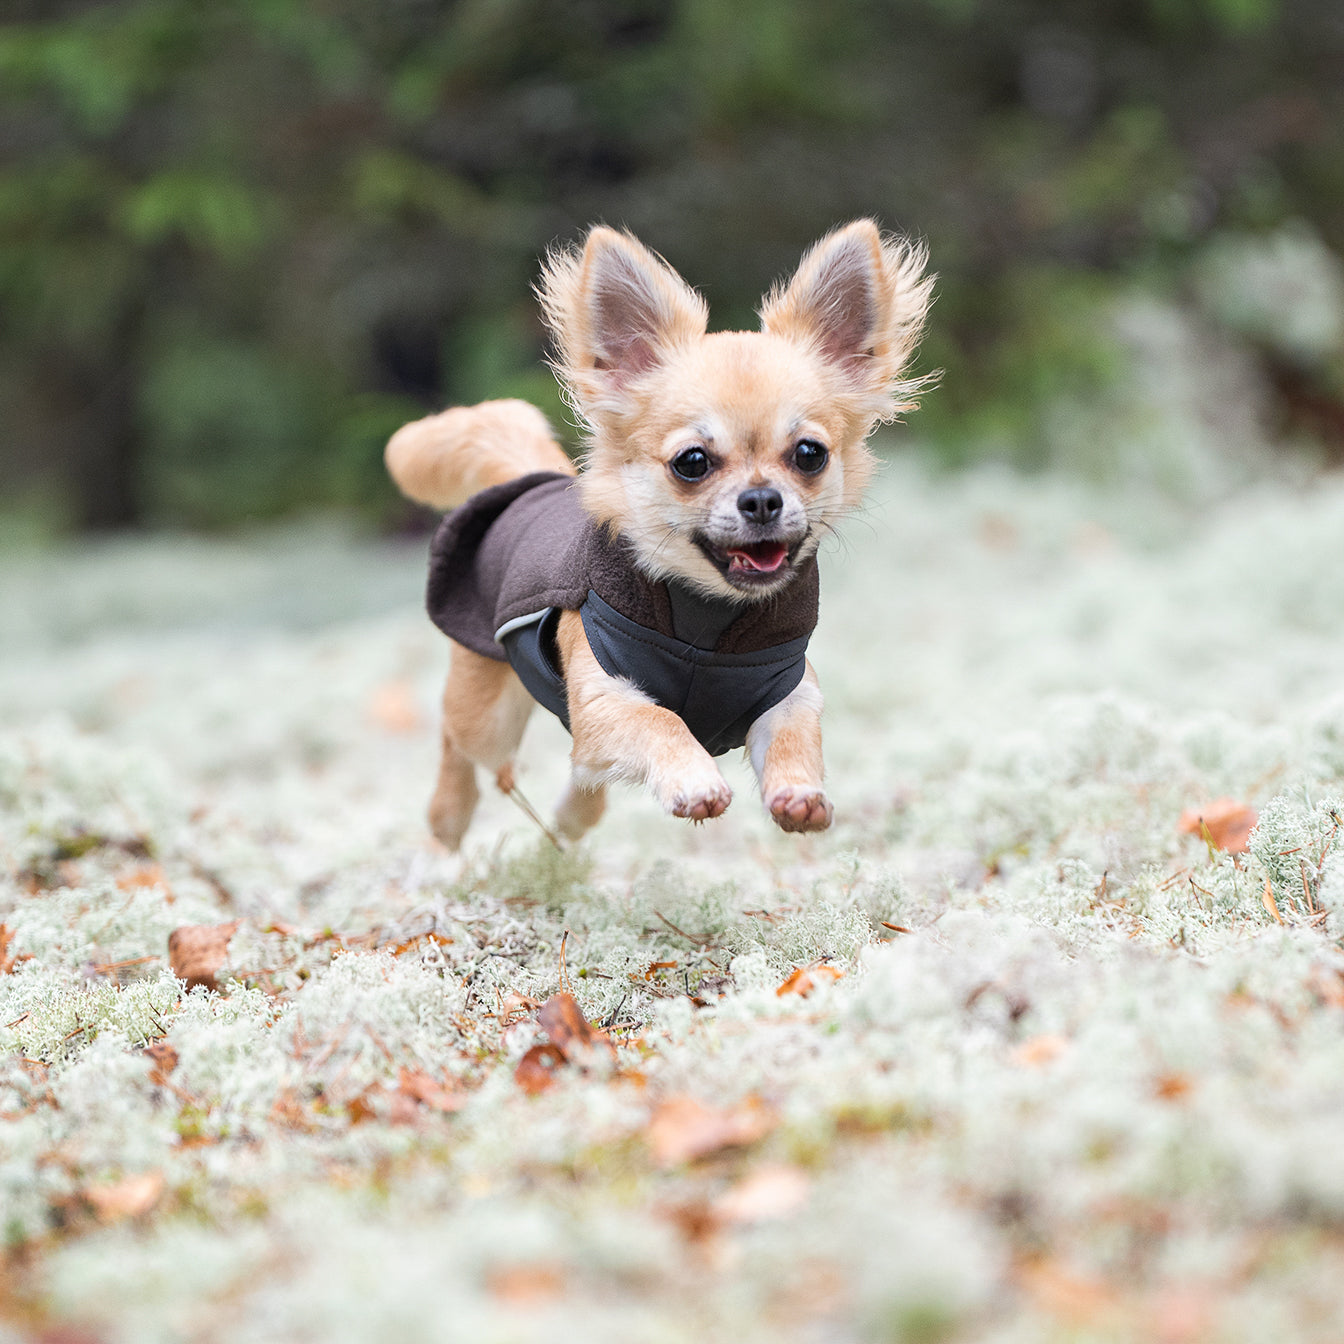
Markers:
765,556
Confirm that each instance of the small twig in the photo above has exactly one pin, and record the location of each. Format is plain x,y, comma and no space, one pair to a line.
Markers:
690,937
105,968
565,984
531,813
615,1012
1307,897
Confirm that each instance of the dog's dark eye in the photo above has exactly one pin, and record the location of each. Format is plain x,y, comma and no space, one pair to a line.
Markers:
690,464
809,456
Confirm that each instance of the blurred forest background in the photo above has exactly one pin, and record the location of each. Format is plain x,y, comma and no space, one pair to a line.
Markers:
241,241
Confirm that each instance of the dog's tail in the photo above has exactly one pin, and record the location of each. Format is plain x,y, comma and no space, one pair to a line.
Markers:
444,459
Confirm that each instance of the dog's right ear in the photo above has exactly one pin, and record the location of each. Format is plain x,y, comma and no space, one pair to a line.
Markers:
615,310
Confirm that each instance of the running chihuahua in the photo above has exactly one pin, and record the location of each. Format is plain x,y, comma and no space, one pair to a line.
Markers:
660,601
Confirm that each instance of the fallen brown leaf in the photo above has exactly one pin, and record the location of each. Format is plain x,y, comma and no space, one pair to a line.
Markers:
695,1219
6,961
773,1190
563,1021
1267,898
1225,824
1328,984
1038,1051
289,1110
428,1091
1058,1290
1171,1086
360,1107
806,978
419,941
536,1070
165,1061
127,1198
144,875
197,951
515,1005
683,1129
525,1285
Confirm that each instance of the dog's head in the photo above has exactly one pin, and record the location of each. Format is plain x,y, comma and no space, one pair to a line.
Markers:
723,457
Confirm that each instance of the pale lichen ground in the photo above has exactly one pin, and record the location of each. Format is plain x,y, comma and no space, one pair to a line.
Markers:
1095,1092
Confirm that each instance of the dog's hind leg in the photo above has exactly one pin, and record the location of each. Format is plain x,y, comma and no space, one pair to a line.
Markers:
485,709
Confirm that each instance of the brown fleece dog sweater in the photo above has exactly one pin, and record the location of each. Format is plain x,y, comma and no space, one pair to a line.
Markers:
507,562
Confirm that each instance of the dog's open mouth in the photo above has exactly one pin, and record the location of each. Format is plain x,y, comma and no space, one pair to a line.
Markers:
749,564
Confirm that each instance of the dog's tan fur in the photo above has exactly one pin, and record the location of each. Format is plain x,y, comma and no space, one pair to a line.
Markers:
648,382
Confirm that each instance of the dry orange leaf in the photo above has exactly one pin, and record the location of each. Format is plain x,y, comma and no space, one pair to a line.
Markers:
536,1070
683,1129
1267,896
525,1285
1057,1289
515,1005
197,951
289,1110
563,1021
1171,1086
438,939
1225,823
145,875
428,1091
773,1190
360,1108
6,961
806,978
127,1198
1039,1051
165,1061
392,707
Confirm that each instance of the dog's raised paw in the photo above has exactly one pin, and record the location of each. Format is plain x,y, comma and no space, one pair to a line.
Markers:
701,804
800,807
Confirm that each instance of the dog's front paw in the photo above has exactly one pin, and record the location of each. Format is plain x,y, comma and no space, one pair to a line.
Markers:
698,800
800,807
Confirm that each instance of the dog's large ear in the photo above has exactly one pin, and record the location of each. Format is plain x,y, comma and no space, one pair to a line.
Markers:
860,300
615,310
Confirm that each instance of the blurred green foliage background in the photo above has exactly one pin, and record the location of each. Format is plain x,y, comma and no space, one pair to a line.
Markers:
241,241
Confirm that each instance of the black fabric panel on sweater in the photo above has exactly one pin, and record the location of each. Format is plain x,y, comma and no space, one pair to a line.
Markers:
519,553
718,696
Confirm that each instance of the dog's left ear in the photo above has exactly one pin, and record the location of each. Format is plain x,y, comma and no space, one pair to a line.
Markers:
860,300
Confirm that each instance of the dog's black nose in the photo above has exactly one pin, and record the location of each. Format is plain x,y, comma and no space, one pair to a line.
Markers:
761,504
